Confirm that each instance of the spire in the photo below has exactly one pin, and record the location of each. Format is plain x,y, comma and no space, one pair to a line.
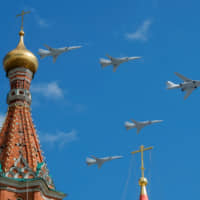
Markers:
142,181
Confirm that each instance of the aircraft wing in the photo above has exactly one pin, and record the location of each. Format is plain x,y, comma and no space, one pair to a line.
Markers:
138,130
54,58
182,77
188,93
99,165
134,58
116,157
156,121
115,67
110,57
48,47
135,122
74,47
94,157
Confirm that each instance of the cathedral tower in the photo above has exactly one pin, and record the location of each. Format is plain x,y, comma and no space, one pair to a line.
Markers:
23,171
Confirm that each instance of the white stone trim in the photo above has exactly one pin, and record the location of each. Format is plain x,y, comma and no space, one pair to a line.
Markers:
18,184
20,78
22,70
26,96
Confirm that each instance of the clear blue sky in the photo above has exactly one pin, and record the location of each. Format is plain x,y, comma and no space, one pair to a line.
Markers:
84,108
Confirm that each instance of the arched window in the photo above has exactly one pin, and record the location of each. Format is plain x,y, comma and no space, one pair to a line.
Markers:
19,198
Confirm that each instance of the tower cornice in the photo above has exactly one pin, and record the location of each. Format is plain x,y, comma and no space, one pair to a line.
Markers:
31,185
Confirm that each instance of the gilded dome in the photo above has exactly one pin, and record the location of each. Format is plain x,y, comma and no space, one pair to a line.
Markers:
20,57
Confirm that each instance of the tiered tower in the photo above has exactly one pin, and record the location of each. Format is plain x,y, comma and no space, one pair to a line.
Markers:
142,181
23,172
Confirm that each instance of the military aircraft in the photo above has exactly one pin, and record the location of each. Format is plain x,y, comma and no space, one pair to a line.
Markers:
55,52
139,125
115,61
100,161
188,85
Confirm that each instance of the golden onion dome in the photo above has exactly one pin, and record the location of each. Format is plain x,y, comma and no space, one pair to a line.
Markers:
20,57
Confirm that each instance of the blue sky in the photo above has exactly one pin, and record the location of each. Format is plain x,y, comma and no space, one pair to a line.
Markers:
84,108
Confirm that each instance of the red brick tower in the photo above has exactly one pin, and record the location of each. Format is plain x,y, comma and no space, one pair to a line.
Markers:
23,172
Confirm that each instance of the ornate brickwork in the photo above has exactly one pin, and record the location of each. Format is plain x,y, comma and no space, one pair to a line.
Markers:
18,138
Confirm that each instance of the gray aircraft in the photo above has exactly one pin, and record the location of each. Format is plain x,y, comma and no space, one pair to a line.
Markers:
55,52
100,161
188,85
115,61
139,125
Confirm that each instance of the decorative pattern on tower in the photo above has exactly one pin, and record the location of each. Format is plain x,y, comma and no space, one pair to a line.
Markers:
20,154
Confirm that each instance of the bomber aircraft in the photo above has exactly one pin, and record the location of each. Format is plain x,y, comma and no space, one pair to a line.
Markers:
55,52
115,61
139,125
100,161
187,85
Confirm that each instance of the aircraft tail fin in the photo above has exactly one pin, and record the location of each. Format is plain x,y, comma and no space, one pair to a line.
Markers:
89,161
104,62
171,85
42,53
128,125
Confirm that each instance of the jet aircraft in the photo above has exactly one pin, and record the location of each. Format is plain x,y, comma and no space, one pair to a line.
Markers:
55,52
100,161
115,61
140,125
187,85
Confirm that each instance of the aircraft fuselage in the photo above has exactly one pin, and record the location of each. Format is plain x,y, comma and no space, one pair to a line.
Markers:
188,85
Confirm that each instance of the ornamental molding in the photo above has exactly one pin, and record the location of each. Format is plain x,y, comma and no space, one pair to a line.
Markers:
43,172
19,94
20,78
20,169
38,184
22,70
19,104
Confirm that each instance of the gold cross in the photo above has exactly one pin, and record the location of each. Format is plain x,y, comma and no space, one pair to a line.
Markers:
142,149
22,15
